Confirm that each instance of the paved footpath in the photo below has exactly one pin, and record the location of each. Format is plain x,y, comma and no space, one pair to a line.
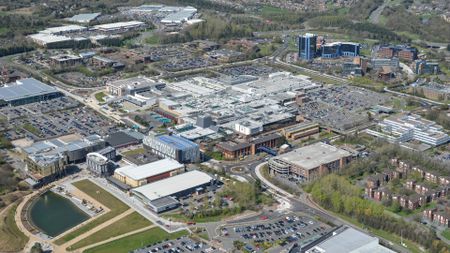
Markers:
92,231
114,238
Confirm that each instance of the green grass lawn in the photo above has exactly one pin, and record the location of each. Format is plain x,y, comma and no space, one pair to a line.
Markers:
11,238
105,198
446,234
100,97
152,39
182,218
135,241
133,152
30,128
127,224
268,10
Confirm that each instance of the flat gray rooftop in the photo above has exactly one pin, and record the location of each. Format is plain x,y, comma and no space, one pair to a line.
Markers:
25,88
350,240
312,156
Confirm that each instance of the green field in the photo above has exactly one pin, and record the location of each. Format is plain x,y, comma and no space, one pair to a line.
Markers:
133,152
270,10
183,218
116,207
100,97
135,241
446,234
152,39
127,224
30,128
11,238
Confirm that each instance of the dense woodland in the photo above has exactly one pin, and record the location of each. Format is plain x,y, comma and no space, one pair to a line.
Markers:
336,193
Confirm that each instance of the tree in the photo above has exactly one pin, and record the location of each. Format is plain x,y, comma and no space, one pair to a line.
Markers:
37,248
238,245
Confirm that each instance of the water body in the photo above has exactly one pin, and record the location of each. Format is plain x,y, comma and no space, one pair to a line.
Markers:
54,214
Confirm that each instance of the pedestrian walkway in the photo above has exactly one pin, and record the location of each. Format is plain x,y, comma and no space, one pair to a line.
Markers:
92,231
115,238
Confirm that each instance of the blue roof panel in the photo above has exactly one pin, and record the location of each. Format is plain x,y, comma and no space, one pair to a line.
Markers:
177,142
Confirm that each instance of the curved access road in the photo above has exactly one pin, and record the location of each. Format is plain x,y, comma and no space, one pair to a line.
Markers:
304,204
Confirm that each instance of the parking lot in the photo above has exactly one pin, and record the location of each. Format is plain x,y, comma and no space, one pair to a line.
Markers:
283,231
341,107
253,70
176,64
183,244
54,118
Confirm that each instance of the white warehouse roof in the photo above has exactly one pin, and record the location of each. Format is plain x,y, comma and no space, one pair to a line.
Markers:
173,185
149,170
65,28
43,38
119,25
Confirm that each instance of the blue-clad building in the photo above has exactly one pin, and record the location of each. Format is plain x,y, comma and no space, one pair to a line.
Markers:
307,46
338,49
172,146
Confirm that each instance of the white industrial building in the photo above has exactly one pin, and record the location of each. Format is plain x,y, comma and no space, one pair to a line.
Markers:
160,196
84,18
119,26
247,127
134,175
180,16
64,29
349,240
407,127
50,40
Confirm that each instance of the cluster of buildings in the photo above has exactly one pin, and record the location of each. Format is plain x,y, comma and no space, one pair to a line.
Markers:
69,36
310,162
166,15
439,215
405,127
402,52
424,67
49,159
421,185
426,187
136,90
25,91
311,46
62,61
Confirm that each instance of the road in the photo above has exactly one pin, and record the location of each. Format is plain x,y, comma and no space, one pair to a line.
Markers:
304,204
375,15
429,101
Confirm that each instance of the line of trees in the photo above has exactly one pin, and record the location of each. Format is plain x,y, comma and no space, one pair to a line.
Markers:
335,193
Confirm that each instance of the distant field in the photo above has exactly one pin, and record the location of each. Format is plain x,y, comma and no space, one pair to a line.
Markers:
135,241
11,238
268,10
115,205
127,224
